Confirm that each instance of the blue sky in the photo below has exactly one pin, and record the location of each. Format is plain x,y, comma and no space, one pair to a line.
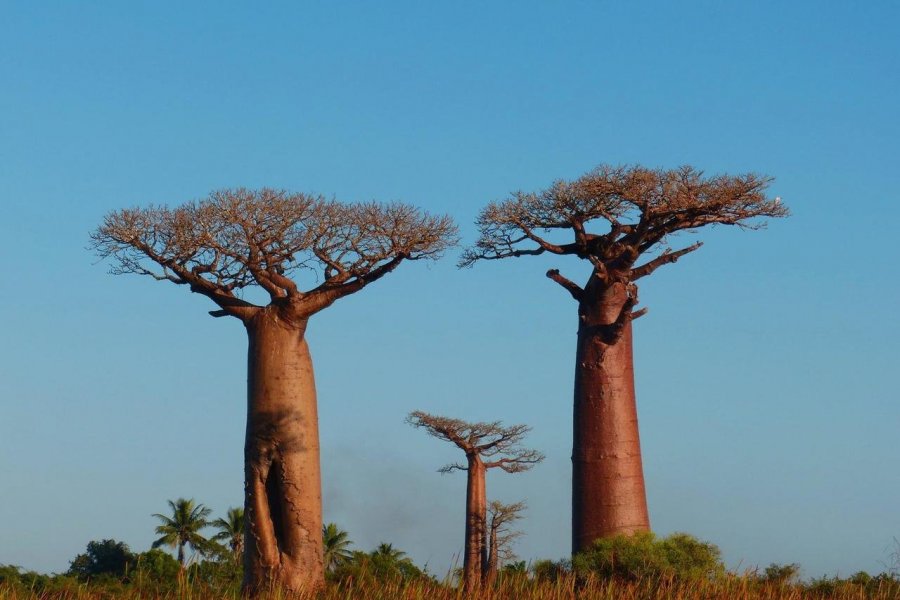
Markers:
765,369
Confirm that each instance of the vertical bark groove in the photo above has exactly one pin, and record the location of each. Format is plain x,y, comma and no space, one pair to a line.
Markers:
281,452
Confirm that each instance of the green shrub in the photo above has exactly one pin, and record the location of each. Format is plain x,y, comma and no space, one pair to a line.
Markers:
107,558
153,565
550,570
644,556
781,574
383,564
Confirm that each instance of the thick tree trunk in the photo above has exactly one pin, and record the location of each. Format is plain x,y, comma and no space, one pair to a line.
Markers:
282,485
608,495
475,553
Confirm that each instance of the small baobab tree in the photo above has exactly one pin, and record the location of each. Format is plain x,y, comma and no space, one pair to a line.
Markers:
639,210
270,239
501,535
487,446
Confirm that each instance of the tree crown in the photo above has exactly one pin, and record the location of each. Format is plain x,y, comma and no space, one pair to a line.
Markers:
484,440
236,238
639,207
500,519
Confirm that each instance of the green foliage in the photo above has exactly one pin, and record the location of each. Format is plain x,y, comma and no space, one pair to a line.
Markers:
861,583
337,544
519,566
383,564
781,574
13,575
153,565
222,573
106,558
643,555
550,570
231,530
183,528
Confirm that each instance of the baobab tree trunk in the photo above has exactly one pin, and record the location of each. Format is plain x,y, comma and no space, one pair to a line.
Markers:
608,495
475,552
490,574
283,503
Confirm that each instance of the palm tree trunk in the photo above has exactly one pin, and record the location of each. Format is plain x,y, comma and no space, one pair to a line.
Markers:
283,505
181,554
608,495
476,517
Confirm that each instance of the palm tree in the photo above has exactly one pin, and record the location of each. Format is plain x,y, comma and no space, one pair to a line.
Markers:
337,546
389,553
387,561
183,528
231,530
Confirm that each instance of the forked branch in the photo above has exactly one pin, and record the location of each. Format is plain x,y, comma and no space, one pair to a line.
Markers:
238,238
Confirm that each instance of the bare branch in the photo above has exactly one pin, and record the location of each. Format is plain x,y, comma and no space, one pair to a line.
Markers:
480,440
665,258
570,286
452,467
519,460
640,207
500,520
238,238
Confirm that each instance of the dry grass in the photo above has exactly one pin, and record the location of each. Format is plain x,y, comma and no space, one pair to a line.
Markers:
511,588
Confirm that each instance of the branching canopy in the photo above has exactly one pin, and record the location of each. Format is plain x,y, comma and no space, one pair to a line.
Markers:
238,238
500,519
483,440
639,209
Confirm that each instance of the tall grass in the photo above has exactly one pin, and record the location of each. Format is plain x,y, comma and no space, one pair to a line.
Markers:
516,587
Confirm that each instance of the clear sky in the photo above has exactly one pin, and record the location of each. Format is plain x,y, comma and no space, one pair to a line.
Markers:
766,368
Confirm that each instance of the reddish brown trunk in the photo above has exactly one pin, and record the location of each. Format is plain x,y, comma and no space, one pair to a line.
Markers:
608,495
283,505
493,558
475,552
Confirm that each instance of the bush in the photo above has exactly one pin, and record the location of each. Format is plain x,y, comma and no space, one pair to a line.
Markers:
644,556
153,565
550,570
781,574
381,565
107,558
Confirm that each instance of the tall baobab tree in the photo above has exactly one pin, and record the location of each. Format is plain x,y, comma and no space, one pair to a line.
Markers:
501,535
639,210
487,446
235,239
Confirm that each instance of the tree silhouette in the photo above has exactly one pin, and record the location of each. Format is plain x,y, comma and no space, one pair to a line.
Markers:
486,446
106,557
271,239
639,209
183,528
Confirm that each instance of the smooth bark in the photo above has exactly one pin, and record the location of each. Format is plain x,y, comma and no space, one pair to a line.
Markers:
475,552
608,495
490,574
283,504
